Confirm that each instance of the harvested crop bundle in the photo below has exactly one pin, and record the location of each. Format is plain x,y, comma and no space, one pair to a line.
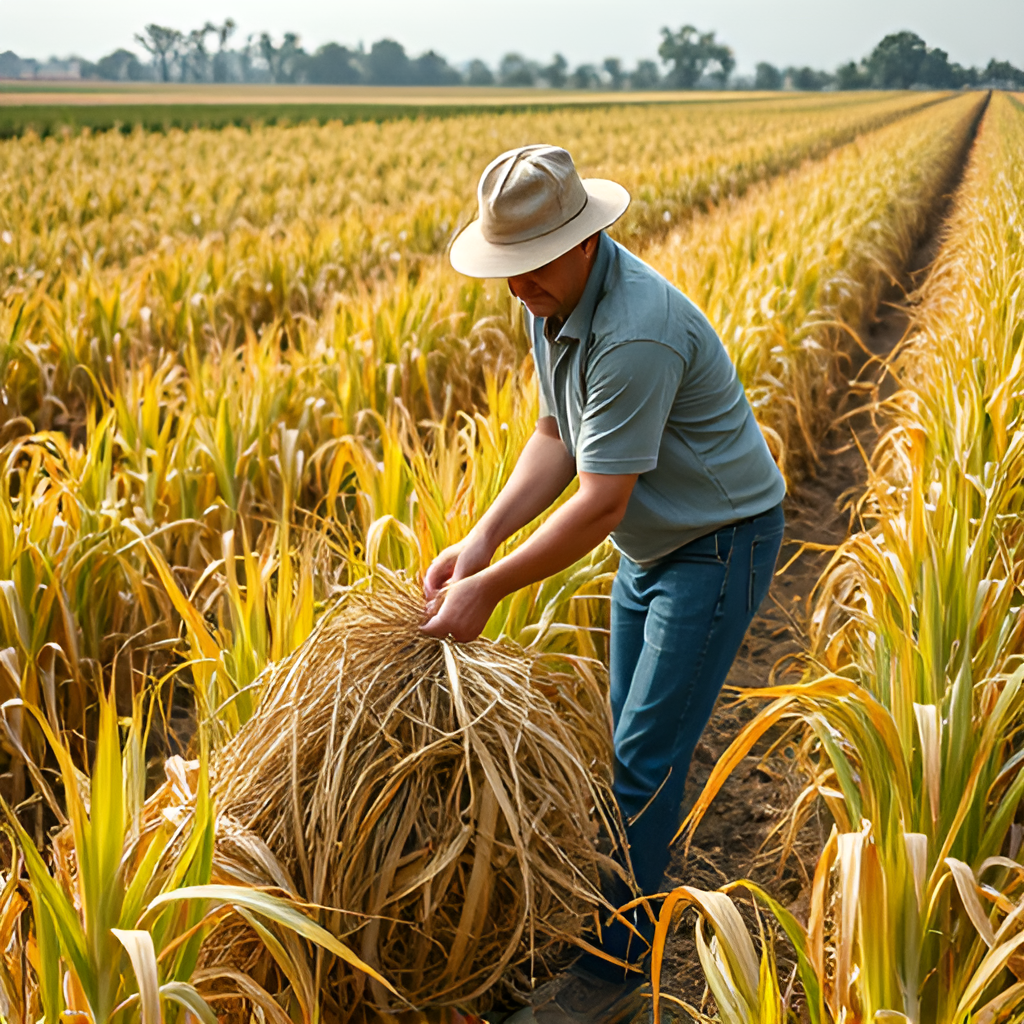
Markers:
447,798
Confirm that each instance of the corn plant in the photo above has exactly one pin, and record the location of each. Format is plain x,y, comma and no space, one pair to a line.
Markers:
120,919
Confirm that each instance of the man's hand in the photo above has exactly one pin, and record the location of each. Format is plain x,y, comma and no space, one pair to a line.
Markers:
455,563
465,607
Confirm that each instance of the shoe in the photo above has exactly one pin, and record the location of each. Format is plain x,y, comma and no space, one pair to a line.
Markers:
582,998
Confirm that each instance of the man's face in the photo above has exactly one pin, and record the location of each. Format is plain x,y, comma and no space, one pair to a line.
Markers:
556,288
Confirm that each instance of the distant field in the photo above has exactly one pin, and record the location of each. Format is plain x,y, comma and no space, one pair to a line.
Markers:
47,107
32,92
50,118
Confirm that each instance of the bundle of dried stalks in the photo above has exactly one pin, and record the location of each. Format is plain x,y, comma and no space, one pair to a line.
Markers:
448,799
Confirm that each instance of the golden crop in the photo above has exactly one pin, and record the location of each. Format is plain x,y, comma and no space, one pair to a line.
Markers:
236,371
121,244
913,703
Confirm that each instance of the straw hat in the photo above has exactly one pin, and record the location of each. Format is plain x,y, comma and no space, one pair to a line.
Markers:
533,208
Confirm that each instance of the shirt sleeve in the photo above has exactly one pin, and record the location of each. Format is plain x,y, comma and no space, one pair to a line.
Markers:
630,392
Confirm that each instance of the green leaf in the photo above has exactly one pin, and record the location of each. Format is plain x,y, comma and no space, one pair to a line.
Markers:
131,905
275,909
49,962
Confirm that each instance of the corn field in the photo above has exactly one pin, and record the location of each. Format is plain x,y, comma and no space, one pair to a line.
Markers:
238,378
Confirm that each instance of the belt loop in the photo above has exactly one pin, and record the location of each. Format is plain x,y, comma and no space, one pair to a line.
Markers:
718,554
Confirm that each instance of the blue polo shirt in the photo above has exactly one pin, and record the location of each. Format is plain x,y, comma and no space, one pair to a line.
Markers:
639,382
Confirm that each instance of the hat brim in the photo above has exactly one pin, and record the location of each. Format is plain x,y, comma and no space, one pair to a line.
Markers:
471,254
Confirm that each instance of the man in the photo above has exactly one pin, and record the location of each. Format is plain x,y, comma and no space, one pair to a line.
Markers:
640,401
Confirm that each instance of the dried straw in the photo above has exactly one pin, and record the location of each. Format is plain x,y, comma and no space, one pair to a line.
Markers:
447,798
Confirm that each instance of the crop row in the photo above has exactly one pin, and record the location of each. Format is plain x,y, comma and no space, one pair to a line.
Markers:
277,448
126,248
913,704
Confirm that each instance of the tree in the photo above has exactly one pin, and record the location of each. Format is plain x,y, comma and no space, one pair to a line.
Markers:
10,64
895,63
514,70
120,66
282,61
332,65
247,58
162,43
479,73
1003,73
388,64
432,69
693,54
585,77
807,79
935,70
767,77
852,76
615,72
556,73
195,59
964,76
221,57
645,75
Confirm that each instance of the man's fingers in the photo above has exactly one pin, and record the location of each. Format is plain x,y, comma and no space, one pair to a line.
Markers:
437,577
431,580
433,627
433,604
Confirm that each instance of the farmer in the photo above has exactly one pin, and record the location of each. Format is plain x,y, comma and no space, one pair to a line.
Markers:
639,401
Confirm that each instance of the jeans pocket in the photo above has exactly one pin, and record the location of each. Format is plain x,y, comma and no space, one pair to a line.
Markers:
710,549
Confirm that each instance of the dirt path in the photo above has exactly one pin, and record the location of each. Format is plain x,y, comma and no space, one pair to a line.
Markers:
734,839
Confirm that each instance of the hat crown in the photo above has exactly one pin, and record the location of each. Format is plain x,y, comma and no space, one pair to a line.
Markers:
528,192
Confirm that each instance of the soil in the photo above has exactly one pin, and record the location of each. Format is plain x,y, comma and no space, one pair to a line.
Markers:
736,838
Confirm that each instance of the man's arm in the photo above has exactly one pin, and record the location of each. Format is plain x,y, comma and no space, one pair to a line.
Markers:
576,528
543,470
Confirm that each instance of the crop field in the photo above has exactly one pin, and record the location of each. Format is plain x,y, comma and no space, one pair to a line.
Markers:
48,108
238,378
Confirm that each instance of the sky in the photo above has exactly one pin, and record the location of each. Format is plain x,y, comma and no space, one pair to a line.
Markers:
821,33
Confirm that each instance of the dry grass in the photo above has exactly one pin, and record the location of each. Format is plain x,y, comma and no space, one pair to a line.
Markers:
449,797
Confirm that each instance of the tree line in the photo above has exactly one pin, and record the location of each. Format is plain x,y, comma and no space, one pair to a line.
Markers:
688,59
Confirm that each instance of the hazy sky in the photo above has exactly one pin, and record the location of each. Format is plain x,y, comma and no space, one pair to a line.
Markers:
821,33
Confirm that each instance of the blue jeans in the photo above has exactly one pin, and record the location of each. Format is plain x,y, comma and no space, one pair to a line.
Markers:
676,627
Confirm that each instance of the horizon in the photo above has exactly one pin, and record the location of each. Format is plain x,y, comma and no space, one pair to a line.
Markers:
995,29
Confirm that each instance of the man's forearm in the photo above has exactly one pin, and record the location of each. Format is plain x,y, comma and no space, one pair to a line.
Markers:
544,469
575,529
568,534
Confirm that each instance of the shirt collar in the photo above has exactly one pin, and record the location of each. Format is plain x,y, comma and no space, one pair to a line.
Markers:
579,321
